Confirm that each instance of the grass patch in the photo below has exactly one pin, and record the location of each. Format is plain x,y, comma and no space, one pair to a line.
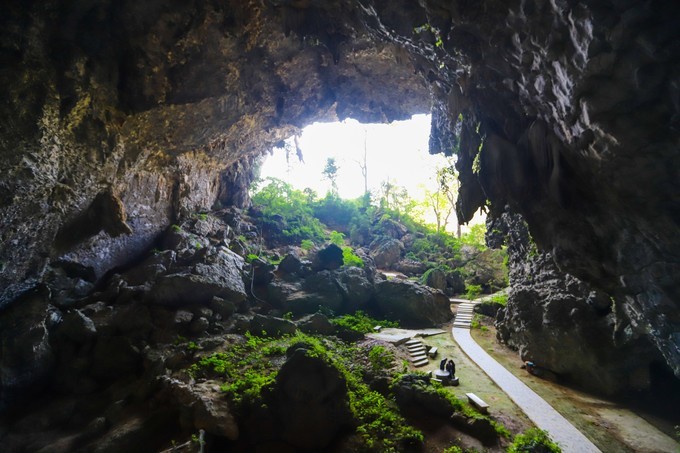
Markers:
361,322
250,367
533,440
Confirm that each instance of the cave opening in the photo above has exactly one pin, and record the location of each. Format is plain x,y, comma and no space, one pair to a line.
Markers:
130,127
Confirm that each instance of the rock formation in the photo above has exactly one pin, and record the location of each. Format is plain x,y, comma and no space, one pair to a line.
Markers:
118,118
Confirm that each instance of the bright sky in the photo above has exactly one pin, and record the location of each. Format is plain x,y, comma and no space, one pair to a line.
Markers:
395,151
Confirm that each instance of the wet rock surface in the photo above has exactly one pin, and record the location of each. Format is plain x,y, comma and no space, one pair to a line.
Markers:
564,325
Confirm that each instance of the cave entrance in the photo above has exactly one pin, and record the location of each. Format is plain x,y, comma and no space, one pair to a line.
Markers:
383,164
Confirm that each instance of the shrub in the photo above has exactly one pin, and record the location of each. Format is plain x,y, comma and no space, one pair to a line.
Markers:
349,258
251,257
500,298
337,238
306,244
380,358
533,440
289,209
472,291
360,322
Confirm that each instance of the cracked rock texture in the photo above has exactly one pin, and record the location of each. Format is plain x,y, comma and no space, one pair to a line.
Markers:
141,112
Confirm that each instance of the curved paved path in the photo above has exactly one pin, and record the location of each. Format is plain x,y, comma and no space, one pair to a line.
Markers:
541,413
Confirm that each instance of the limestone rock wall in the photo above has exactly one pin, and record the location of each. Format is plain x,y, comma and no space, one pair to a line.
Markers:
164,105
565,325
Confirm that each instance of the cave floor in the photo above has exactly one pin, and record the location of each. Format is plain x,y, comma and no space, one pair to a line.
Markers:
539,411
611,426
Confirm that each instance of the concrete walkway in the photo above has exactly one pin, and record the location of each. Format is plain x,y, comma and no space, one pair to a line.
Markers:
537,409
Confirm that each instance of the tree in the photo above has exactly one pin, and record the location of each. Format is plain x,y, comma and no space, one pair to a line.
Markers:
330,172
440,206
364,164
448,184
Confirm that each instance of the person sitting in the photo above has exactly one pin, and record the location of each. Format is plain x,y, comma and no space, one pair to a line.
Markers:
451,368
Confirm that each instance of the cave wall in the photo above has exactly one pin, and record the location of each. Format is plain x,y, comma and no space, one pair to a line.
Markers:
163,105
565,111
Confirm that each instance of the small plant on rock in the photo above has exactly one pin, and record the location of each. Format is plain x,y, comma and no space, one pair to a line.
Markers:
533,440
380,358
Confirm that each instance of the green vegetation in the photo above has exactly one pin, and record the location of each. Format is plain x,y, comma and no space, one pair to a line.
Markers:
294,216
500,298
289,211
176,228
533,440
337,238
380,358
349,258
361,322
475,237
472,291
249,368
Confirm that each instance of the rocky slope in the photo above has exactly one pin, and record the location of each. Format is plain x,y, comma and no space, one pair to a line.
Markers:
135,363
118,117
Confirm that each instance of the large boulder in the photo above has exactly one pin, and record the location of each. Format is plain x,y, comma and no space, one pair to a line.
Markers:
316,323
487,270
26,356
412,304
217,274
392,228
415,390
319,290
436,278
410,267
386,252
355,287
311,402
204,405
455,282
290,264
271,326
327,258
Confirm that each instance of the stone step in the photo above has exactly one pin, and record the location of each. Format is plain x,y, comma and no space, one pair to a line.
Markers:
461,325
417,357
423,362
417,351
413,341
415,347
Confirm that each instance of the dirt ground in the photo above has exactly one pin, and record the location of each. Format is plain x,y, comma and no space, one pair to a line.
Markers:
611,426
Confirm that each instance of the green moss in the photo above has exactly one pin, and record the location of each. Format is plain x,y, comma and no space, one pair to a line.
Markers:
472,291
349,258
361,322
248,368
380,358
533,440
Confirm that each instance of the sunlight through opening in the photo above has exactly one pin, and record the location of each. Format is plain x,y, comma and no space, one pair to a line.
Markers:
377,157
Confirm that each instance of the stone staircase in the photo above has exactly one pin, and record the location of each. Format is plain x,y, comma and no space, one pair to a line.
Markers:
417,351
464,314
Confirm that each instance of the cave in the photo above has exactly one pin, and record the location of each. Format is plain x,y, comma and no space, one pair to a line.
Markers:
120,119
